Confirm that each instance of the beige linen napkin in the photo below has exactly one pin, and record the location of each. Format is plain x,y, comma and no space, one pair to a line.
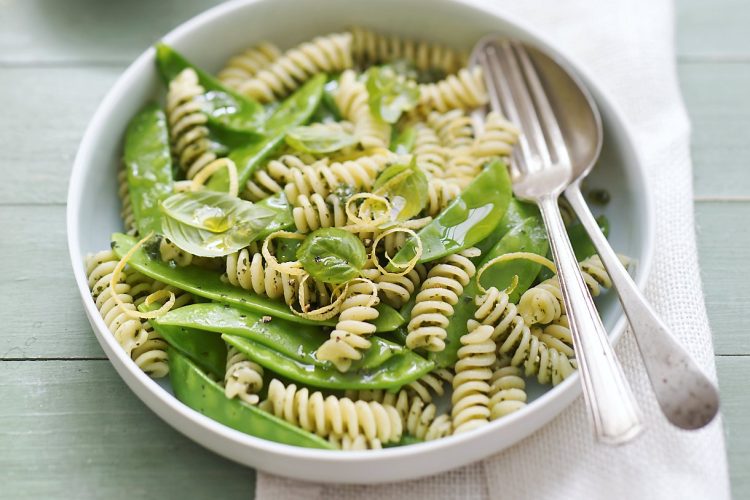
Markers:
628,46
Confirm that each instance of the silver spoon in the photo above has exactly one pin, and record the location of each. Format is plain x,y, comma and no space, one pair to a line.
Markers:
686,396
542,170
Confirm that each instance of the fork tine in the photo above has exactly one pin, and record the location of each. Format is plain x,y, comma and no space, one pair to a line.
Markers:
528,119
556,142
501,101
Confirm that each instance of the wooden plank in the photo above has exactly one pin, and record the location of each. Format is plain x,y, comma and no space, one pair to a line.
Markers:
719,107
724,254
46,31
713,30
72,429
734,372
40,309
41,129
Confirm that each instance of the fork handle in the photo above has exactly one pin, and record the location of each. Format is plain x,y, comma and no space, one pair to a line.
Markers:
686,396
612,407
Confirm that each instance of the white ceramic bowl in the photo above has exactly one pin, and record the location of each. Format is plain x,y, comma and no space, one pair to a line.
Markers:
208,40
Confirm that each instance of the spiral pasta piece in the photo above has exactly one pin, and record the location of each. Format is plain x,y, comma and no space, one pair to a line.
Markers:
351,97
434,303
334,417
247,64
151,356
187,123
249,270
396,290
323,179
370,47
464,90
127,330
271,179
497,139
432,383
355,323
169,252
243,378
453,128
473,373
440,194
315,212
326,54
462,167
507,391
544,303
419,417
428,150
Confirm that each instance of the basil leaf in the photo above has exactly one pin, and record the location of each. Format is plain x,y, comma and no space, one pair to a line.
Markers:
212,224
332,255
406,188
209,210
390,94
319,138
282,214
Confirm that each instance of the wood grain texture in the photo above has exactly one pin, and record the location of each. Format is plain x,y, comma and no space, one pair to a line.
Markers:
50,31
39,135
40,309
724,251
72,429
719,107
714,30
734,372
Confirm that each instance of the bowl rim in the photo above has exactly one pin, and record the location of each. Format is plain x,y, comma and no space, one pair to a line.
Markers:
164,403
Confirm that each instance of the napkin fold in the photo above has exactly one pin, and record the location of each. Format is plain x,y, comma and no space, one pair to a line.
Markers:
628,45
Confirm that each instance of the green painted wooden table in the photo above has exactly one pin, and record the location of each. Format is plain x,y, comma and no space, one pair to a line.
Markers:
69,428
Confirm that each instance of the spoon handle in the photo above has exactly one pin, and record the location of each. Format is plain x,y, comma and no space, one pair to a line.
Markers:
610,402
686,396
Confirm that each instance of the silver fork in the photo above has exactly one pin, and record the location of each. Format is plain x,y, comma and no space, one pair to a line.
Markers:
542,171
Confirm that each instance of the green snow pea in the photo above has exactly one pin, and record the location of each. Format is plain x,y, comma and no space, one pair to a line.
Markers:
579,239
148,163
328,111
206,349
208,284
470,218
401,367
224,107
528,236
293,340
195,389
294,111
282,219
516,213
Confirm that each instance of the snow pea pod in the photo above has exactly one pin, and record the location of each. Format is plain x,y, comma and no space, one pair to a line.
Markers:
293,340
148,164
582,245
470,218
206,349
294,111
528,236
208,284
196,390
402,367
224,107
517,212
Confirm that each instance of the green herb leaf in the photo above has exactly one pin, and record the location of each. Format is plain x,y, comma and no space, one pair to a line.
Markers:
406,188
209,210
390,94
212,224
319,138
332,255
